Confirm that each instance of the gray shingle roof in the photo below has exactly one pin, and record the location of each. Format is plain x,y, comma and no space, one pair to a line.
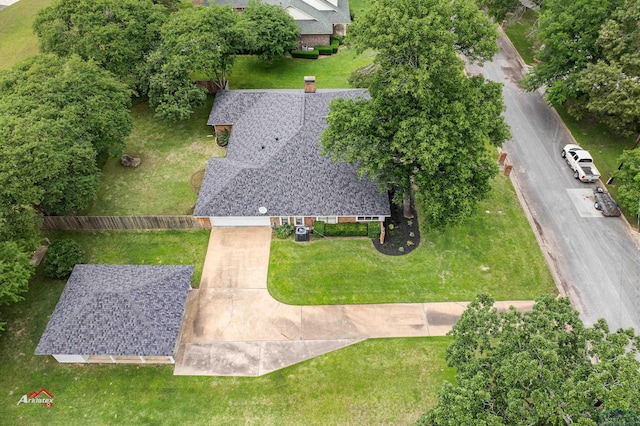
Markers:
273,160
121,310
325,19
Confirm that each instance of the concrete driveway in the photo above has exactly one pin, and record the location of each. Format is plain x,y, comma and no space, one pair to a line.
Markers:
232,325
594,259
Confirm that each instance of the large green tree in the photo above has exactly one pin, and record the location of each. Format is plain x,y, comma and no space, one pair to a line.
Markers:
272,32
199,41
15,272
543,367
612,85
628,177
499,9
426,123
116,34
568,32
57,116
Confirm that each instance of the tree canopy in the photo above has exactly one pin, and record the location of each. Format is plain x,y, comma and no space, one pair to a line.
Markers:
116,34
540,367
426,123
15,272
272,31
56,117
200,41
568,34
612,84
499,9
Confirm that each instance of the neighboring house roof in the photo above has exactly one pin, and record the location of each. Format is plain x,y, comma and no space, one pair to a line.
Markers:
324,13
274,161
118,310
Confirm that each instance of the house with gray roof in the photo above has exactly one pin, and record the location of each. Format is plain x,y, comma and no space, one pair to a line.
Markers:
318,19
274,172
118,313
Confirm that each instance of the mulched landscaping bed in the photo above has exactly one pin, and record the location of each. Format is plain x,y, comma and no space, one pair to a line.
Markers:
405,235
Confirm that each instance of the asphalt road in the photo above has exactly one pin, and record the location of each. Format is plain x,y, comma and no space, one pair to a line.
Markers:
594,258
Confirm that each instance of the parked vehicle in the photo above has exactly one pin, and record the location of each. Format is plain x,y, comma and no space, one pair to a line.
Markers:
581,163
605,203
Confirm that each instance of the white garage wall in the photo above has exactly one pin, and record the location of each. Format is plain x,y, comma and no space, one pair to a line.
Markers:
240,221
71,358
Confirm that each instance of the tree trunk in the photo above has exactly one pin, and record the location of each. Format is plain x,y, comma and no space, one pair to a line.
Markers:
406,206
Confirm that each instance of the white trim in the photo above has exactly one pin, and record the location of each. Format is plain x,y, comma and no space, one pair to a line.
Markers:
299,15
71,358
240,221
112,359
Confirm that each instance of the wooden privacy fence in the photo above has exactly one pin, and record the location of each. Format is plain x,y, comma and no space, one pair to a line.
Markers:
105,223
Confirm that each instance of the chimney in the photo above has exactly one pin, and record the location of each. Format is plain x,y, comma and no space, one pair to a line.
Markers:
309,84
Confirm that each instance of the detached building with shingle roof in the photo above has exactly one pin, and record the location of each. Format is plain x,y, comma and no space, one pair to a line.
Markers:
274,172
118,313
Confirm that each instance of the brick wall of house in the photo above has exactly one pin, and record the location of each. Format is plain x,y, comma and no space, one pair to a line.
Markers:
311,40
344,219
222,128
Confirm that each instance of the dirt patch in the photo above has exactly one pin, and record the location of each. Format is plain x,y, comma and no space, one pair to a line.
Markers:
402,235
196,180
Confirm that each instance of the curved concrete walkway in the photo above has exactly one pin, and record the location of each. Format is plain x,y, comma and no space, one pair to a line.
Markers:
233,327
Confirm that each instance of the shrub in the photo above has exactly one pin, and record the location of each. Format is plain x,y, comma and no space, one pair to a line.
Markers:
319,228
410,243
401,249
223,138
305,54
284,231
337,37
347,229
324,50
391,226
335,45
61,257
412,234
373,230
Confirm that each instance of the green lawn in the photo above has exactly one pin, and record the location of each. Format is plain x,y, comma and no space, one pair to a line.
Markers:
358,7
494,253
174,156
288,73
519,33
386,381
17,40
183,247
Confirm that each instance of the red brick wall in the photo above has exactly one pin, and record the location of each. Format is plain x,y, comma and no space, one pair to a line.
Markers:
343,219
314,40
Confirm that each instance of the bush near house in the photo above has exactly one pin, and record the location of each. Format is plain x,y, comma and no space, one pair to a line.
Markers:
61,257
348,229
337,37
305,54
284,231
373,230
335,44
223,138
324,50
319,228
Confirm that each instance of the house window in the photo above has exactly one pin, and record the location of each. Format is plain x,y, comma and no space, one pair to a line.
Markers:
367,218
328,219
299,221
284,220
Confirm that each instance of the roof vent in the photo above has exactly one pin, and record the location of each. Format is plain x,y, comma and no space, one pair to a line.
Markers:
262,210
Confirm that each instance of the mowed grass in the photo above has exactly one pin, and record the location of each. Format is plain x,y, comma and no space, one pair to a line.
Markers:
331,72
183,247
519,32
174,157
17,40
387,381
493,253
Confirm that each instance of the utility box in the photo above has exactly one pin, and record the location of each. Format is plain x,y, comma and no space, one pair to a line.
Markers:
302,233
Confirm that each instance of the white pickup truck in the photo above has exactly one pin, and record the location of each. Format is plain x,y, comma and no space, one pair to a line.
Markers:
581,163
